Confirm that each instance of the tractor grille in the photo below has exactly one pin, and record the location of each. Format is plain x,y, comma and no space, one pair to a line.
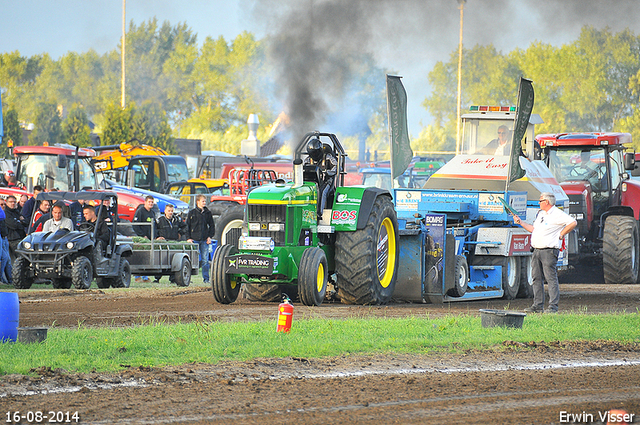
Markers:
578,209
266,214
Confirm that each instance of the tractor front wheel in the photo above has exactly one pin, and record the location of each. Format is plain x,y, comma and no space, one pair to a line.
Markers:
225,288
367,259
312,276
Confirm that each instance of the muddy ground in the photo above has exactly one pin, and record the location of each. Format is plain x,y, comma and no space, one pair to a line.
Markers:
543,382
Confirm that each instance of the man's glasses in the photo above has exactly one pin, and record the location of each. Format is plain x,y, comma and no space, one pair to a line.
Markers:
502,132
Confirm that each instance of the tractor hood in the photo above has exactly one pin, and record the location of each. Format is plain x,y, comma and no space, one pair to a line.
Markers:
283,194
489,172
55,241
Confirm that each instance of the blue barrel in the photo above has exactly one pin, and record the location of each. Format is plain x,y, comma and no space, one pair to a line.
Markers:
9,314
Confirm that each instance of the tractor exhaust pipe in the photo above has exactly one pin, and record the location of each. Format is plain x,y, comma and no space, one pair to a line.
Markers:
297,172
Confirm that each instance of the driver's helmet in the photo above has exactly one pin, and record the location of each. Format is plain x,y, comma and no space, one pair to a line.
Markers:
327,149
314,149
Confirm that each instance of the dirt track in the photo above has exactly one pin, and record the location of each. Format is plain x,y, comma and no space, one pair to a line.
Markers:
531,384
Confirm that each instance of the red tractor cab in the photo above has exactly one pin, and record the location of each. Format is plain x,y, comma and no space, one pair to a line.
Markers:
592,169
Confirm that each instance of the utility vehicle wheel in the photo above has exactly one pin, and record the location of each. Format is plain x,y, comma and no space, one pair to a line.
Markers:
82,273
620,250
123,280
526,278
367,259
231,218
22,279
61,283
461,279
183,276
510,272
312,276
225,288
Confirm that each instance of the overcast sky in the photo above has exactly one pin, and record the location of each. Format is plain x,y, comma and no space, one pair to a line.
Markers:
406,36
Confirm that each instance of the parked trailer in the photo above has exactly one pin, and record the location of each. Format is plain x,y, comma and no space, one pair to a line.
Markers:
163,258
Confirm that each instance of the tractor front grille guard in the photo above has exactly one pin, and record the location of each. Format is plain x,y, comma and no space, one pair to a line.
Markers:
266,215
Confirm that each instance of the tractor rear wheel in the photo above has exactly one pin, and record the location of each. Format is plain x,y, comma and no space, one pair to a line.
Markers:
312,276
20,274
231,218
367,259
510,272
620,250
82,273
225,288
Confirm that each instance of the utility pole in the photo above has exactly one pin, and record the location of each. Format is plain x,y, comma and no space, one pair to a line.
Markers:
124,8
458,141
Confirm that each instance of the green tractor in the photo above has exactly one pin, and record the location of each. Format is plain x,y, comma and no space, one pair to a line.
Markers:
312,231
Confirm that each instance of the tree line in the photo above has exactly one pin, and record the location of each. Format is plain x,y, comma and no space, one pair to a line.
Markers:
178,88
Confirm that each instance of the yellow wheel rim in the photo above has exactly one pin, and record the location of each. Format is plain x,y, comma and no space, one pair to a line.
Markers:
320,277
386,252
233,284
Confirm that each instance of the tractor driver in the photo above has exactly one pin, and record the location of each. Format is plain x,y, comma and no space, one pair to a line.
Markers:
499,146
101,228
325,159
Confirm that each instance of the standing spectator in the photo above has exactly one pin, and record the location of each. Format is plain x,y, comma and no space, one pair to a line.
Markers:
145,214
170,228
41,215
76,212
201,230
15,225
30,204
23,199
8,179
547,232
5,259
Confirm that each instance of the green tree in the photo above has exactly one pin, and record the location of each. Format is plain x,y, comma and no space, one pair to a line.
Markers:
12,131
118,124
47,125
151,127
75,128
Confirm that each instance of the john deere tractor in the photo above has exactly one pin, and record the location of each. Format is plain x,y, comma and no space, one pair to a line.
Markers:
312,231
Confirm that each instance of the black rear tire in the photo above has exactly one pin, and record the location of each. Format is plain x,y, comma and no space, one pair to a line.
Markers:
123,280
82,273
22,278
182,277
225,288
231,218
366,274
312,276
263,292
620,250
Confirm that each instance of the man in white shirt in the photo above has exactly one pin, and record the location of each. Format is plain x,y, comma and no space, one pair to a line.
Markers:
547,232
57,221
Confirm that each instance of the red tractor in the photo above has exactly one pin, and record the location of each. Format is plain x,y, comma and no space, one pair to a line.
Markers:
591,168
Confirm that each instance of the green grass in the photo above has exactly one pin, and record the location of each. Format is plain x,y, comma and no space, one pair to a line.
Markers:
157,344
